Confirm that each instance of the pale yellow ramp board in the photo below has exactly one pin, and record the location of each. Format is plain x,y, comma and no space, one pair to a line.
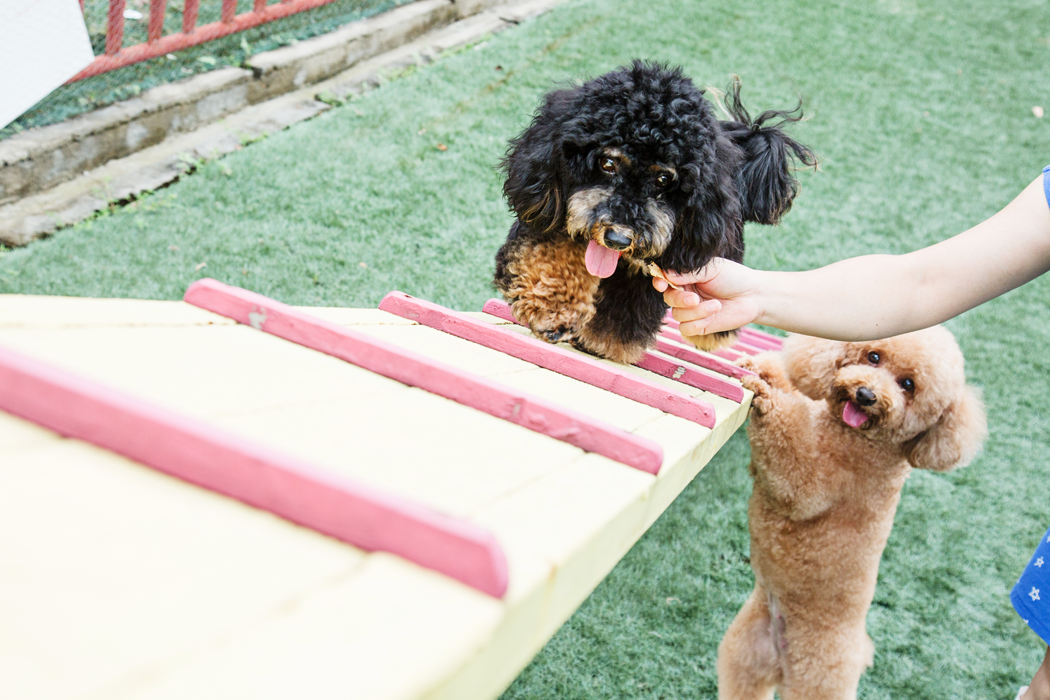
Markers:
120,582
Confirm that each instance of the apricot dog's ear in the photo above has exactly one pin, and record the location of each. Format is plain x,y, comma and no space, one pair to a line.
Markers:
954,440
811,363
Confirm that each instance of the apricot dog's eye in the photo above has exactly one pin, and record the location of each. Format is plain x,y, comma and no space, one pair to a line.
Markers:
908,385
608,165
873,358
663,180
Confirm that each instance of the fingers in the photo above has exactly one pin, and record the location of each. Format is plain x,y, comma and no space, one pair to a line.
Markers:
680,298
705,274
695,320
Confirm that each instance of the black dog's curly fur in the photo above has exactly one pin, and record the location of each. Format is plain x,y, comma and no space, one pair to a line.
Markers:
636,161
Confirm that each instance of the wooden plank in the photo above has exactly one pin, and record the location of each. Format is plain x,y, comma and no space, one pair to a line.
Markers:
691,377
751,336
703,359
520,408
762,339
725,353
556,359
195,452
745,348
651,362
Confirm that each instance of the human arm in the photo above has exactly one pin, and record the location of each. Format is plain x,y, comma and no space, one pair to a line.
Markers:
874,296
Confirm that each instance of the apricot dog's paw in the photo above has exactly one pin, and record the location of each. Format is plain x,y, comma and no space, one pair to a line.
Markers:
767,380
762,402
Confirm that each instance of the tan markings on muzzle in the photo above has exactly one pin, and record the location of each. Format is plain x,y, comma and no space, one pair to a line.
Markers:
581,210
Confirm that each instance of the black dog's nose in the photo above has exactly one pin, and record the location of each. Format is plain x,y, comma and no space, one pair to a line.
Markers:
617,240
865,396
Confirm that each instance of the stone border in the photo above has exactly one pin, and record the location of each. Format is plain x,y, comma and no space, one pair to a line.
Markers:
58,175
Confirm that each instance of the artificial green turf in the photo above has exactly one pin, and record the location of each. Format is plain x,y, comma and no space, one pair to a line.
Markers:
922,113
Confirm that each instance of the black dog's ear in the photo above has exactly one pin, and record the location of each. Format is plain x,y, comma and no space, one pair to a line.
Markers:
766,184
535,163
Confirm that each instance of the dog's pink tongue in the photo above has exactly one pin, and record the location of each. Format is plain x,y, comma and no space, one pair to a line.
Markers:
853,416
601,262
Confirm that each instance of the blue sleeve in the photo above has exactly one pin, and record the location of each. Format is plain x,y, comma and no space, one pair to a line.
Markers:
1046,184
1031,595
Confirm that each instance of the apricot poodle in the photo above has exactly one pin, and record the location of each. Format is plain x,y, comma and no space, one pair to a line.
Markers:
835,429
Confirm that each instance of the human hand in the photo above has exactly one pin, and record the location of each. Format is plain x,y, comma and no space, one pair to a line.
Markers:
719,297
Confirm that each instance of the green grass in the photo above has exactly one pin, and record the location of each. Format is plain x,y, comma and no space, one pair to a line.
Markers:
922,113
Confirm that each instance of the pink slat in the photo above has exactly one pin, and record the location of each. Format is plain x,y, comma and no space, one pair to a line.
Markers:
156,19
671,334
681,373
189,23
745,348
761,339
551,357
195,452
534,413
728,354
651,362
705,360
189,36
753,336
114,28
229,10
259,5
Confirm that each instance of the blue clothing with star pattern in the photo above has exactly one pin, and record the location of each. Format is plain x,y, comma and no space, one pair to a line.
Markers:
1031,595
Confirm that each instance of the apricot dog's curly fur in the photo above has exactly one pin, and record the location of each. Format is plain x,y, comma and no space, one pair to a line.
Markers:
835,429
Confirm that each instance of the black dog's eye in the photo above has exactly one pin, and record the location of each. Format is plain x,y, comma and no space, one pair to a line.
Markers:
908,385
873,358
608,165
663,180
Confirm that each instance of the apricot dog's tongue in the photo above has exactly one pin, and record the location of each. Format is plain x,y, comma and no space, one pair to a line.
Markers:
853,416
601,262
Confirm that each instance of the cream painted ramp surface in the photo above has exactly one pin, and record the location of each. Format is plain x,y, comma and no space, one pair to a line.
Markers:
117,581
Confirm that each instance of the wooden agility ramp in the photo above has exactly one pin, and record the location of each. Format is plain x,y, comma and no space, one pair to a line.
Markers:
227,497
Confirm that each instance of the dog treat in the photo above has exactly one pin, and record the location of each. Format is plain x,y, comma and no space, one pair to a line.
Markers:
655,271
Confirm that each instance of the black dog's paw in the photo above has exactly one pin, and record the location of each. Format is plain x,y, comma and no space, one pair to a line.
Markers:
559,334
713,341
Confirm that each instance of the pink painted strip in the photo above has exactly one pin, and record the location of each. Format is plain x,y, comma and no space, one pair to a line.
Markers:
745,348
701,359
733,353
520,408
500,309
674,335
560,360
751,336
728,354
762,339
681,373
200,454
651,362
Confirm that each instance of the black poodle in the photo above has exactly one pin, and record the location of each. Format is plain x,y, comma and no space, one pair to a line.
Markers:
624,170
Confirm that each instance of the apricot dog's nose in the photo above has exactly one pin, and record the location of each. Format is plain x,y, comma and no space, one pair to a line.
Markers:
865,396
617,240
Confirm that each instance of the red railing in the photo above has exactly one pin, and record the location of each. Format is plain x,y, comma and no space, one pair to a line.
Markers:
117,56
